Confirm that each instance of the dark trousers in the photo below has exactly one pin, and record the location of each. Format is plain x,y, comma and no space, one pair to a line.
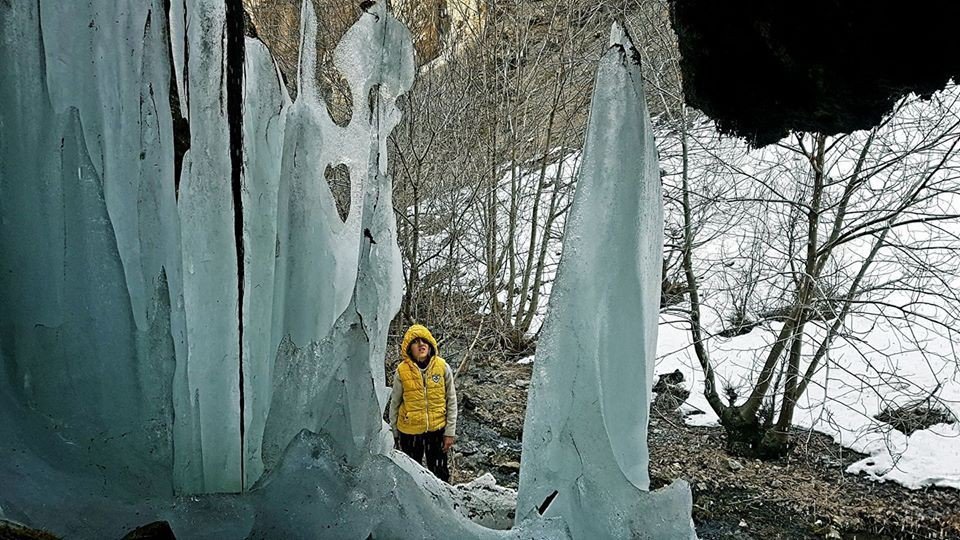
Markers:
431,445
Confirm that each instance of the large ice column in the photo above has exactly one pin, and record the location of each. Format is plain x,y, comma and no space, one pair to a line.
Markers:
584,442
87,250
312,240
337,281
264,120
210,288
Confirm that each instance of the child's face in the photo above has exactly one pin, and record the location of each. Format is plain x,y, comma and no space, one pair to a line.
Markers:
420,349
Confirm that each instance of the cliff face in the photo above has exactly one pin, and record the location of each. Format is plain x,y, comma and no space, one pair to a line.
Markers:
437,26
759,69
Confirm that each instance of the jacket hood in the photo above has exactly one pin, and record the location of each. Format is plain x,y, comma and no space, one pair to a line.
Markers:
414,332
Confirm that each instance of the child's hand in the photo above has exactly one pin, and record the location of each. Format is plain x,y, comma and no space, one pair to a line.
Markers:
448,443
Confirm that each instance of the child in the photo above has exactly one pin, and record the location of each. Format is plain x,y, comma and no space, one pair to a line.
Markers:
423,405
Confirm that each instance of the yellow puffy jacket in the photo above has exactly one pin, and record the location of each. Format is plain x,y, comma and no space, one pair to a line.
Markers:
424,408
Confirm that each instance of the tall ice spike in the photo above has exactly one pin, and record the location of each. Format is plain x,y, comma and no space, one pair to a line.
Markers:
585,436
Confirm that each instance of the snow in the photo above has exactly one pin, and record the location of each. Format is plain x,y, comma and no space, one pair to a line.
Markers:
486,503
886,359
859,387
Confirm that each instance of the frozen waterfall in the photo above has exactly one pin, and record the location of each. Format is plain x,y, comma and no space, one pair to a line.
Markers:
190,332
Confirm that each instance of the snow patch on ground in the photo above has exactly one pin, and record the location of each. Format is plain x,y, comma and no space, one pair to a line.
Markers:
859,386
898,344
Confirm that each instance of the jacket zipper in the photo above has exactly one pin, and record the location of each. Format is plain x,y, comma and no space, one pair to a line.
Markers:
426,402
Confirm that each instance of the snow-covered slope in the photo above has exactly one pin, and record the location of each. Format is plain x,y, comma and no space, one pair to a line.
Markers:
898,345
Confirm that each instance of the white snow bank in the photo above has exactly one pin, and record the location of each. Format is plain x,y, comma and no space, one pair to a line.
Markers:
929,457
858,387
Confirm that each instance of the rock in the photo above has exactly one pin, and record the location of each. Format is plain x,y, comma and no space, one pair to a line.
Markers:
916,415
668,379
830,461
669,392
158,530
798,85
734,465
14,530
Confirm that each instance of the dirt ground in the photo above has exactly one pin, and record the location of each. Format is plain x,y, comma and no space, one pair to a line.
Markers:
805,495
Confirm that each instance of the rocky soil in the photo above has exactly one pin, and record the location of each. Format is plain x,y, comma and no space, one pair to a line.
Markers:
805,495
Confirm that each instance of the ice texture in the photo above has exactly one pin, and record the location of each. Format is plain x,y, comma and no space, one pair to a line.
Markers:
210,290
385,496
585,441
88,255
265,116
337,281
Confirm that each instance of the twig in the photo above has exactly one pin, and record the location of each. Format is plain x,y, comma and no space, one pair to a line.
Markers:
466,355
664,418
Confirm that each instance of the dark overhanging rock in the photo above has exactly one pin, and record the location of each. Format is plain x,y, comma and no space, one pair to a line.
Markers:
763,69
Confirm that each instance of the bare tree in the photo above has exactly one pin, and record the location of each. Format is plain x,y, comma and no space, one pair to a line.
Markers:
484,162
832,229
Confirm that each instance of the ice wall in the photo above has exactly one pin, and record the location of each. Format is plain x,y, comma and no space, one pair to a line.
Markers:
585,434
336,281
120,300
131,313
89,258
184,310
120,288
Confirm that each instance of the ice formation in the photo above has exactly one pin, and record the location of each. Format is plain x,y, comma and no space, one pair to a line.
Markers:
90,275
584,441
190,332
